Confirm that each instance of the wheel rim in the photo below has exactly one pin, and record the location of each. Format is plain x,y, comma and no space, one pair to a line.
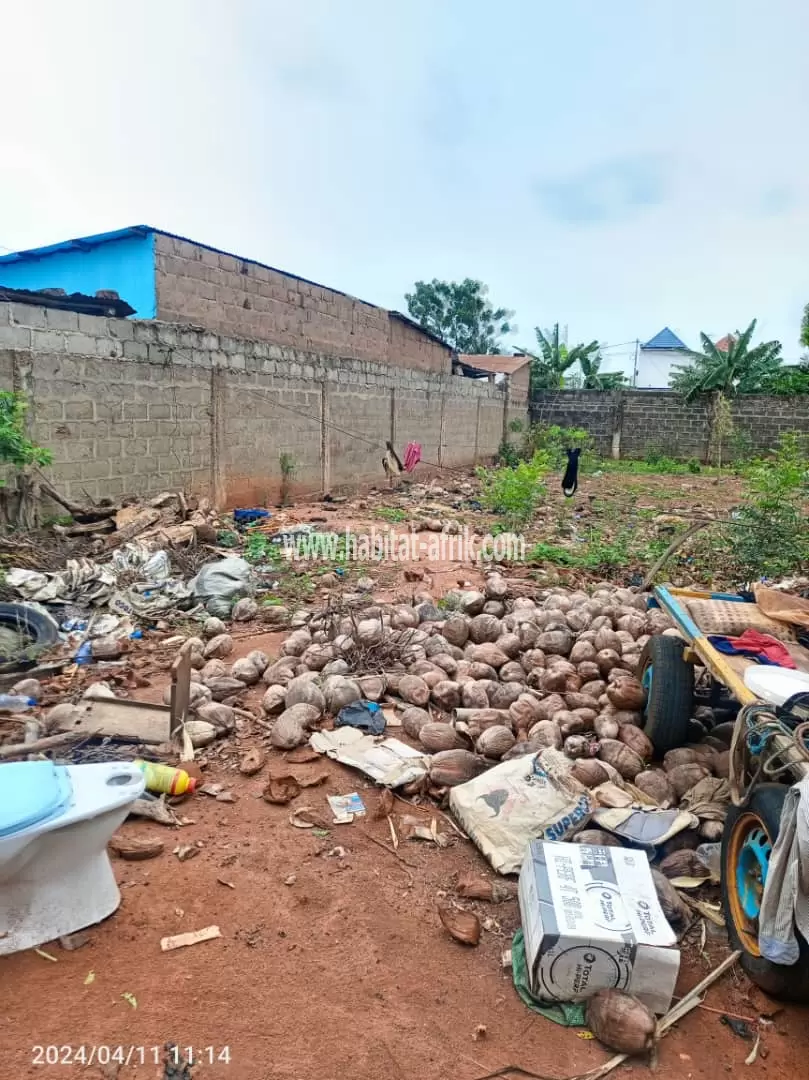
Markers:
646,685
749,851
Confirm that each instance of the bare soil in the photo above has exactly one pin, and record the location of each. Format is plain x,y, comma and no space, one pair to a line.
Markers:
332,961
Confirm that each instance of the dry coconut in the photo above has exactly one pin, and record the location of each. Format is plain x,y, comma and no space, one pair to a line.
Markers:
495,741
339,692
589,772
435,737
451,767
413,720
212,628
218,647
289,730
274,700
245,672
655,784
683,777
244,610
214,669
303,691
621,1022
414,690
595,837
626,693
621,757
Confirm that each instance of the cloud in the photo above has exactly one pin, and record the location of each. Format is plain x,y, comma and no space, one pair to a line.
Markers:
776,200
613,190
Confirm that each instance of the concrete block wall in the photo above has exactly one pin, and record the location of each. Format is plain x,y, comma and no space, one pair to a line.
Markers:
631,423
240,298
137,407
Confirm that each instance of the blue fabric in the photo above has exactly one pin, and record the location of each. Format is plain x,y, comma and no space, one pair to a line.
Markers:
365,715
721,644
32,792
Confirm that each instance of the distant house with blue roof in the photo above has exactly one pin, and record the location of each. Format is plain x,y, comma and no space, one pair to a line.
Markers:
656,357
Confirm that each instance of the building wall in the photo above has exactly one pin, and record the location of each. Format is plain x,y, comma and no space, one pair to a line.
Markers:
125,265
196,284
130,406
631,423
654,367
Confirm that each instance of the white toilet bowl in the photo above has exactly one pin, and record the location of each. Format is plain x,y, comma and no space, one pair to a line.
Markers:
55,821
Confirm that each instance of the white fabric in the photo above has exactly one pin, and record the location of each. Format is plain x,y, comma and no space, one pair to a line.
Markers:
785,904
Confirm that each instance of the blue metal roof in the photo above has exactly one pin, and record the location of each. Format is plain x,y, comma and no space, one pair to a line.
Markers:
86,243
81,243
666,339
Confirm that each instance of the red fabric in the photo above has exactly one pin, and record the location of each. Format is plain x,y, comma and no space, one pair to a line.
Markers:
412,456
773,649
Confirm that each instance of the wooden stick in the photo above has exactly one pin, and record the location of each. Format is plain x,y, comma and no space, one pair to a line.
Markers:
675,1014
21,749
678,542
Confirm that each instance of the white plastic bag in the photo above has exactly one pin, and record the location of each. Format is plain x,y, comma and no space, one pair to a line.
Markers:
531,797
218,584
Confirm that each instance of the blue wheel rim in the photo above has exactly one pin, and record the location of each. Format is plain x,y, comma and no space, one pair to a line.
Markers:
751,872
646,684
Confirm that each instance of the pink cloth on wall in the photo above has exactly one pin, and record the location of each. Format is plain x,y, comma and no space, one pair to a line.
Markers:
412,456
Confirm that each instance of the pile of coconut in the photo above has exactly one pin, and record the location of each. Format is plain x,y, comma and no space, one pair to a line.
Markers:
482,677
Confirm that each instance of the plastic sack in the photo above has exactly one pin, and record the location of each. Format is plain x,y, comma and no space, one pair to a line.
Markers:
531,797
219,584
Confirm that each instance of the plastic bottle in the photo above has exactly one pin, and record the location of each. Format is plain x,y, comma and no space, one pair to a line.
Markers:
166,779
10,703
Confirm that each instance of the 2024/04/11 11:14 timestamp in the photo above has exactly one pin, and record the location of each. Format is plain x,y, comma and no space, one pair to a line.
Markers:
169,1053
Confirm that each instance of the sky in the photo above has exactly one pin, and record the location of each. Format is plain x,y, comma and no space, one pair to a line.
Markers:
614,167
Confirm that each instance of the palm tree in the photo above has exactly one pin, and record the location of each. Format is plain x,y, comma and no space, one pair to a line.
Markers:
548,369
595,379
737,369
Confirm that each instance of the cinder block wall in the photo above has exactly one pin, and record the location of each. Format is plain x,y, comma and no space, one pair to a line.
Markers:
633,422
245,299
137,407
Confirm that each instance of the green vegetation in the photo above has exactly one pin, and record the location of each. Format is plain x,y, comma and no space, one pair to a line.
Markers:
460,314
393,514
739,369
16,449
514,492
553,440
769,538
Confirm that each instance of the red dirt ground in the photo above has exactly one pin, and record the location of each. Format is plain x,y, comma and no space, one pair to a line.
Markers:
328,967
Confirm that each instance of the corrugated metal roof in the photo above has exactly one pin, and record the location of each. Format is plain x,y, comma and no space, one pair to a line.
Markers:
86,243
666,339
496,364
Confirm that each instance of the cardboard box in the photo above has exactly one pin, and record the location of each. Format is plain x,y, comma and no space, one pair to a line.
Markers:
592,921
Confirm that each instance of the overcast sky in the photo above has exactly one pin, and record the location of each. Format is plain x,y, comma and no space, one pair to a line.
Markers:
614,166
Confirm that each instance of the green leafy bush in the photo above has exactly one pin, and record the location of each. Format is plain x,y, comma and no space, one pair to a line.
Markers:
769,537
514,492
553,440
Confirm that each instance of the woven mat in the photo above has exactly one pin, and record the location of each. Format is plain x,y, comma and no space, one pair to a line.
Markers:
732,619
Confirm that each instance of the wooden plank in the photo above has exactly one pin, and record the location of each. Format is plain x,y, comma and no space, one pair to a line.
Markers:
119,719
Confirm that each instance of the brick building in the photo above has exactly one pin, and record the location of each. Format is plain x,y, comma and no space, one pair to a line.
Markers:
173,279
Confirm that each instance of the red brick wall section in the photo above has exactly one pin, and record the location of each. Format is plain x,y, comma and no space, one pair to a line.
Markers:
245,299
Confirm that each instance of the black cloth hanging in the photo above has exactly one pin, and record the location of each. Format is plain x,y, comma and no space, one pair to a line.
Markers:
570,481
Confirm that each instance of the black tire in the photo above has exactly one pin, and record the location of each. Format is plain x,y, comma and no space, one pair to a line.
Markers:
41,629
670,699
789,983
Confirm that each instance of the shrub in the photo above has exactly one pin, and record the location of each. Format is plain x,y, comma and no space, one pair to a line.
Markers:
514,492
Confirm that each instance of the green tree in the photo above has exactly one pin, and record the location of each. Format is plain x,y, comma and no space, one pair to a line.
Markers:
460,314
804,338
595,379
739,369
555,358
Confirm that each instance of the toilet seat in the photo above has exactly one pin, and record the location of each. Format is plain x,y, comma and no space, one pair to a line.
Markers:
32,792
